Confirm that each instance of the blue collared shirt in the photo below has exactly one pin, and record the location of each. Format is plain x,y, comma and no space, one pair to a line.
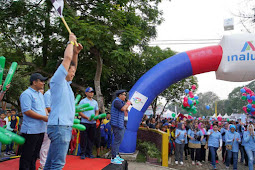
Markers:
47,99
33,100
63,107
249,141
214,138
229,140
192,134
180,139
90,112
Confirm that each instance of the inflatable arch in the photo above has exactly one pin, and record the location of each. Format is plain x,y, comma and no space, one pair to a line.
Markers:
232,60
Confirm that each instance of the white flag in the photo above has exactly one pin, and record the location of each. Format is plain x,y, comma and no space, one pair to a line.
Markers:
59,6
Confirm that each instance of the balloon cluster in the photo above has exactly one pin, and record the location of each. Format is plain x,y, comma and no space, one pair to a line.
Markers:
190,102
249,95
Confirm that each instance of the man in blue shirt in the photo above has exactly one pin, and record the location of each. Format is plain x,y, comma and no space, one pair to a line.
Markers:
62,107
117,122
87,136
34,121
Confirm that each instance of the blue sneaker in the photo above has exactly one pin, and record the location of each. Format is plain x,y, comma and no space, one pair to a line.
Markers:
116,161
82,156
119,158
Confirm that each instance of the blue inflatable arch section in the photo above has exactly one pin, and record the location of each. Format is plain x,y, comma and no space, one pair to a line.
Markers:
161,76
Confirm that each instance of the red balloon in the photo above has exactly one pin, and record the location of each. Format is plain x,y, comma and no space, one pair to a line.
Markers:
245,108
193,87
244,94
219,123
253,105
250,100
191,95
185,104
219,118
185,99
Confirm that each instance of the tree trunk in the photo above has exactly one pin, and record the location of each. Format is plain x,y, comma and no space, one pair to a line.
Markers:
97,79
46,35
154,106
164,107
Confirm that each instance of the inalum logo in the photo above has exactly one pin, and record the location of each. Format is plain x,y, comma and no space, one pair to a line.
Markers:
248,46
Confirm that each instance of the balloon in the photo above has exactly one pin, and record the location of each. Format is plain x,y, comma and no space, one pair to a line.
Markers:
186,91
248,110
190,102
10,74
199,118
228,119
207,107
2,64
249,106
244,97
245,108
193,87
248,97
190,114
203,117
91,117
210,118
103,115
197,102
219,123
185,99
250,101
77,99
191,94
76,121
244,94
185,104
173,115
219,118
79,127
196,97
253,98
14,137
242,90
85,109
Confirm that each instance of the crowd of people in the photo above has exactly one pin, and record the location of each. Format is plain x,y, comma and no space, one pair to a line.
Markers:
194,137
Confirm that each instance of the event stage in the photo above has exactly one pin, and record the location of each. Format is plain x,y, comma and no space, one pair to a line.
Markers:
72,163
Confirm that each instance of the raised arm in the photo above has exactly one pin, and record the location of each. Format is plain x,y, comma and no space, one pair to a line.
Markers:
68,55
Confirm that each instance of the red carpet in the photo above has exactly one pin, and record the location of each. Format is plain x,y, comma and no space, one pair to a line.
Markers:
72,163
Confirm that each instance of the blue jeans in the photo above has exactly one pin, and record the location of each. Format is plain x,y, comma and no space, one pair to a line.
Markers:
118,136
251,156
213,151
235,159
60,137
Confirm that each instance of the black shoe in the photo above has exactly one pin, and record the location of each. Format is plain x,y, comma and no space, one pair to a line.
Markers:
91,156
98,156
82,156
186,158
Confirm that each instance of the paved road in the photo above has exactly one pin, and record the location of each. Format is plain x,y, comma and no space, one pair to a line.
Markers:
187,165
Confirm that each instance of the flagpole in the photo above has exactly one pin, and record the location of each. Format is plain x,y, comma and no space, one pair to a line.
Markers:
67,27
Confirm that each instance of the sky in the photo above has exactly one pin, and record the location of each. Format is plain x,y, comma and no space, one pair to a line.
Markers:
200,19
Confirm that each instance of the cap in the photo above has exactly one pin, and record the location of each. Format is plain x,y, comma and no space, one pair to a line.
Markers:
89,89
36,76
118,92
165,124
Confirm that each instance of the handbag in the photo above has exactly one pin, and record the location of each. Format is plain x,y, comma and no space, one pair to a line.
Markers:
229,146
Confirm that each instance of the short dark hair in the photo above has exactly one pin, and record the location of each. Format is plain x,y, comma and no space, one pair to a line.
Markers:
14,110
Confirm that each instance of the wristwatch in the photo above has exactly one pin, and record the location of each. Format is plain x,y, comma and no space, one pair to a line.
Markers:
70,42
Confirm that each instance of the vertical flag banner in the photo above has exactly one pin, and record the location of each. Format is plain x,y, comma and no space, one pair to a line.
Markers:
10,75
2,64
59,6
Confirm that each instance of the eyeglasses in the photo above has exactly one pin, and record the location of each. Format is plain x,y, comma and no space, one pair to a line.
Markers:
124,94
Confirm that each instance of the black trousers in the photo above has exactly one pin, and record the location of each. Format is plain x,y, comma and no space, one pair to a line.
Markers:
186,150
87,139
198,154
203,151
30,151
223,151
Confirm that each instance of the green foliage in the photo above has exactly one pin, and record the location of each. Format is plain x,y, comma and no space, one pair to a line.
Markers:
149,149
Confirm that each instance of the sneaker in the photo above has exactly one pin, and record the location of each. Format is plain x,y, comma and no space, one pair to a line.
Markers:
186,158
7,154
176,162
119,158
91,156
217,162
227,167
181,163
82,156
193,163
116,161
40,168
198,163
